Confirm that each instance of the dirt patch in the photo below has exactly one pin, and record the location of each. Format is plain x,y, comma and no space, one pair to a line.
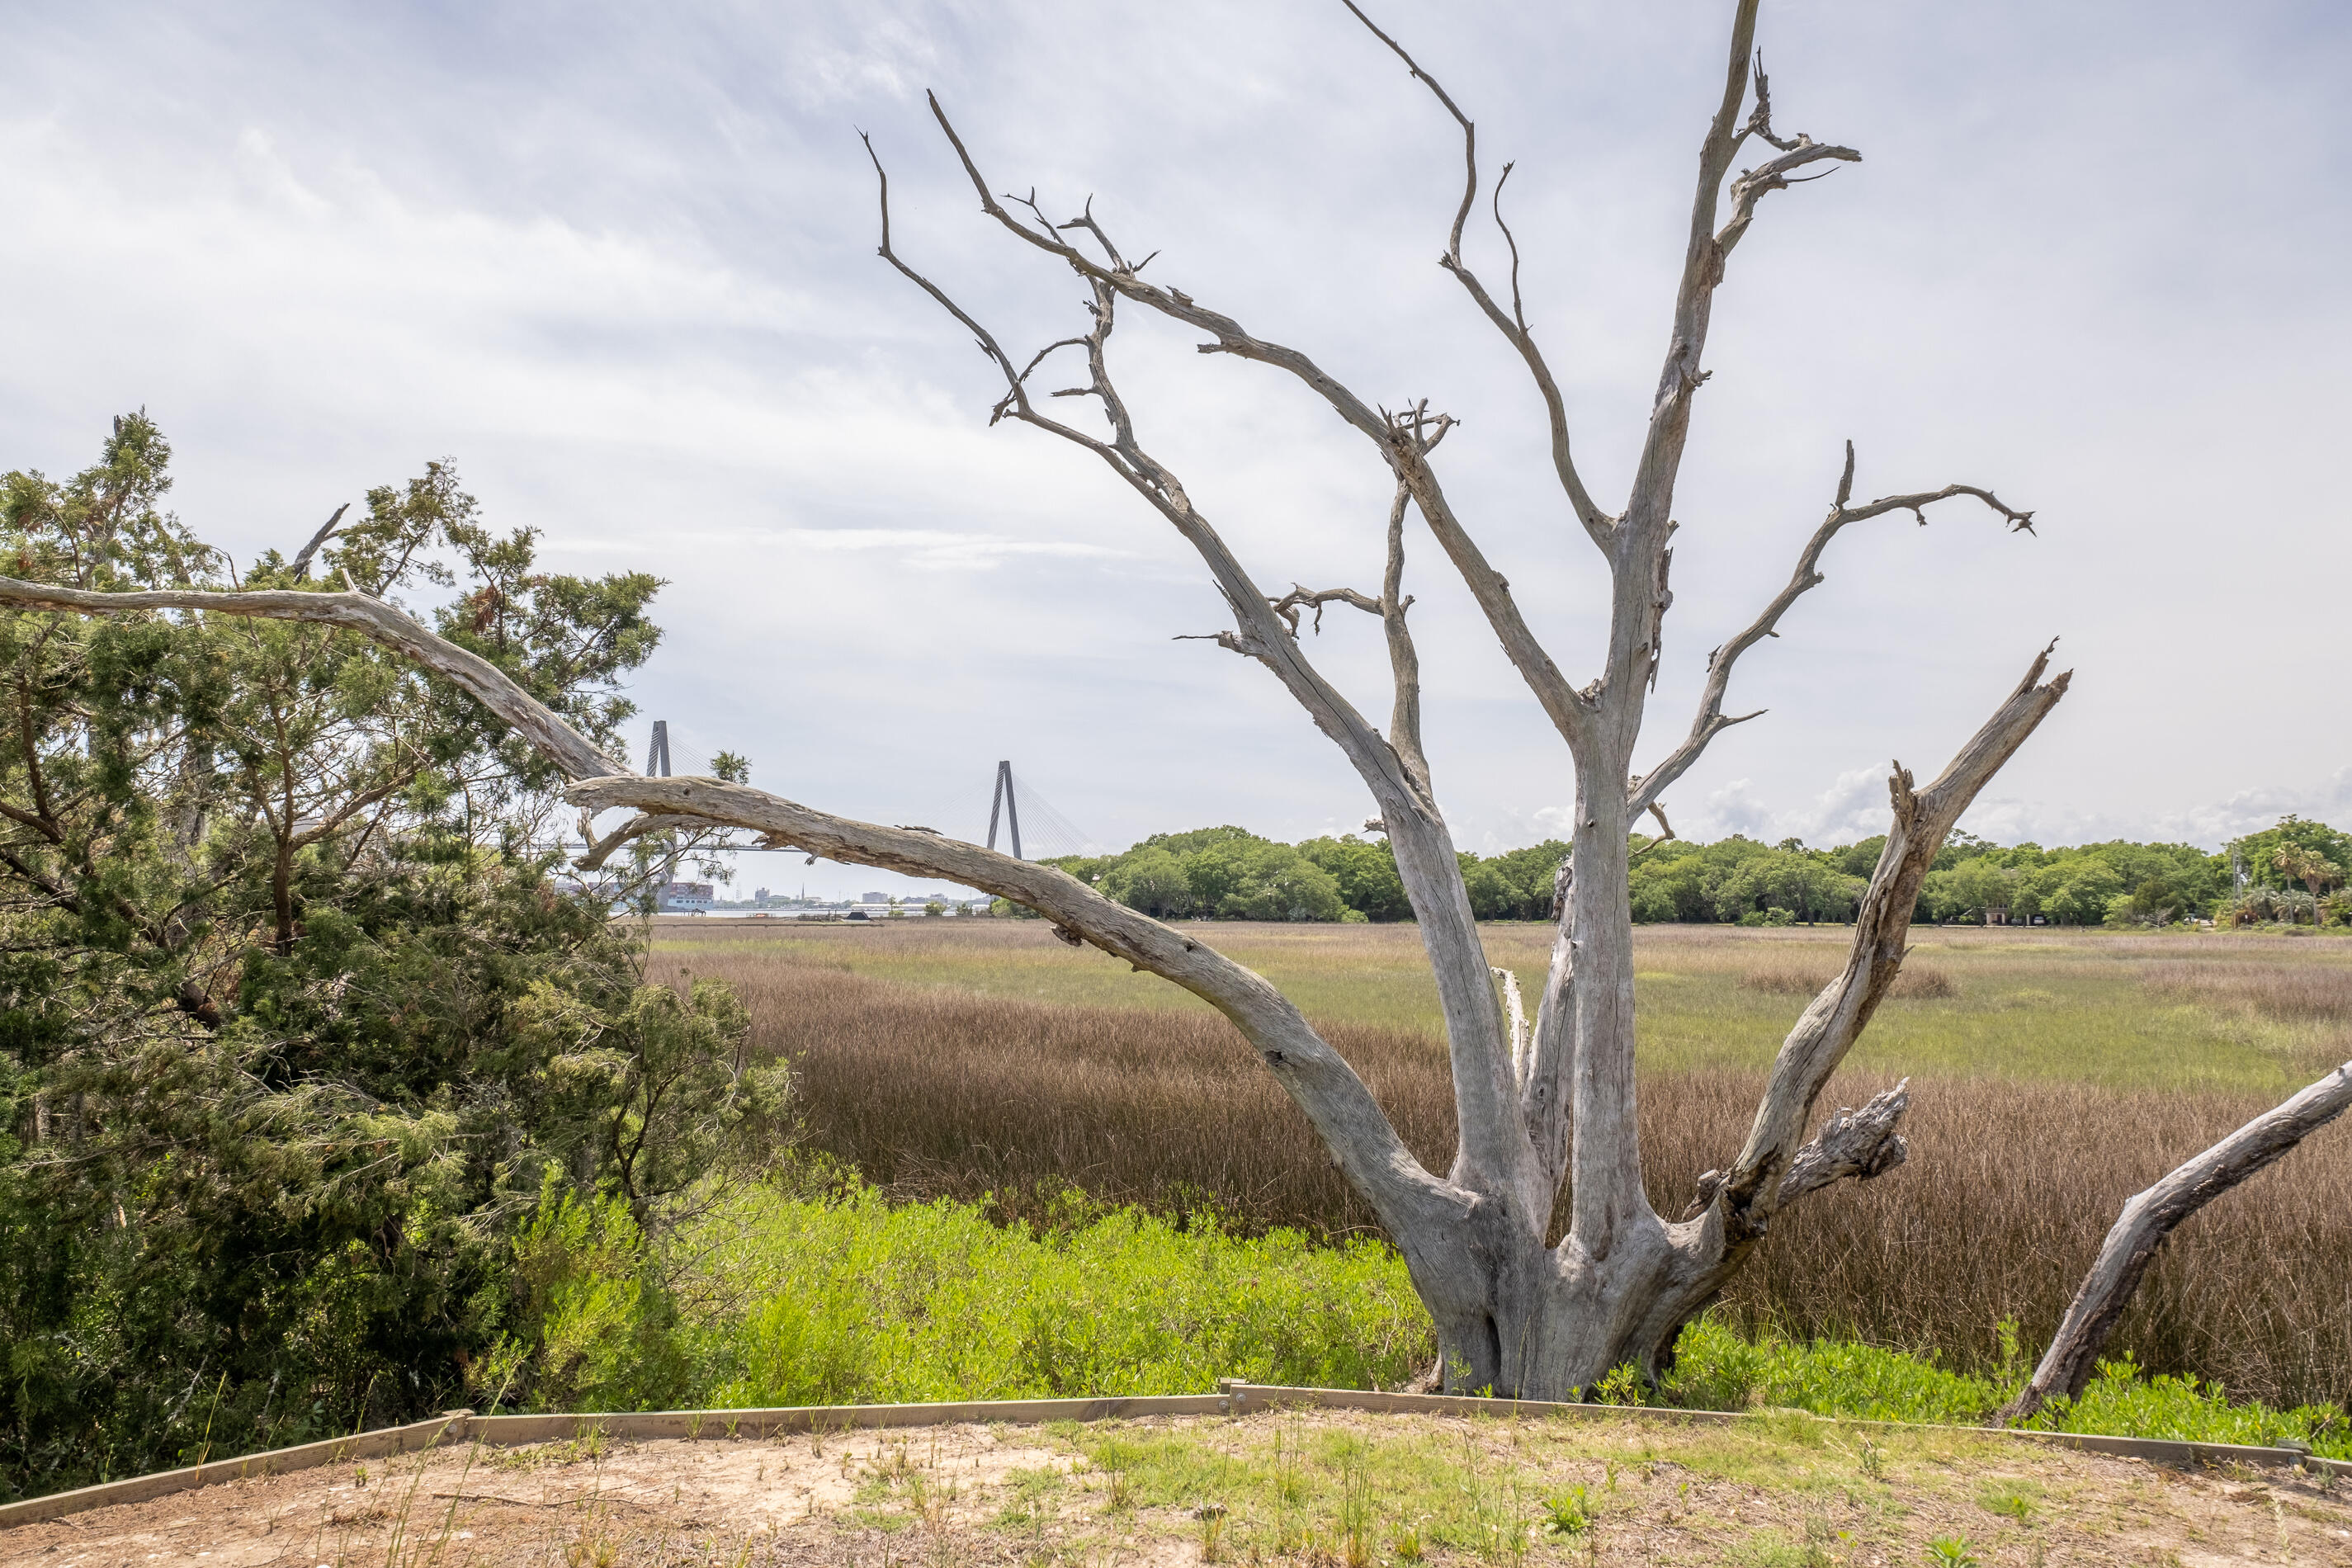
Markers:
1322,1488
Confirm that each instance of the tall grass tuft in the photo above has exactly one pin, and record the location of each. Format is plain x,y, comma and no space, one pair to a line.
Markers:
1916,982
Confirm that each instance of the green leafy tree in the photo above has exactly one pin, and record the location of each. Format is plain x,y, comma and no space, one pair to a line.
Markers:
295,1026
1152,880
1366,872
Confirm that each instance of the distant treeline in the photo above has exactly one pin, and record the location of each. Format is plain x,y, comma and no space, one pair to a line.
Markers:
2293,873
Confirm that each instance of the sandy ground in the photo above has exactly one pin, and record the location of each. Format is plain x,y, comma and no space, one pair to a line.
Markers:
1154,1492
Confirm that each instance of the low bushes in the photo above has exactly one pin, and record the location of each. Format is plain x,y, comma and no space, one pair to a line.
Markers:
779,1296
785,1296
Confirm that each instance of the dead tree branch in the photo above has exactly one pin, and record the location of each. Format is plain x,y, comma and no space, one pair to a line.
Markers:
1299,598
300,566
1511,323
1404,658
2149,1216
372,619
1334,1099
1858,1144
601,849
1711,719
1568,710
1819,1042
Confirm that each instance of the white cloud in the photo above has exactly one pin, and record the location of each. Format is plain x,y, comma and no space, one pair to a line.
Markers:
1854,807
934,549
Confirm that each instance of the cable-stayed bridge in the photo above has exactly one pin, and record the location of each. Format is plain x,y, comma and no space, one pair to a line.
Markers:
1033,829
1028,825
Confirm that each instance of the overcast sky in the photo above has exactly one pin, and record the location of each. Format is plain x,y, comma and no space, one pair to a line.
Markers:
617,261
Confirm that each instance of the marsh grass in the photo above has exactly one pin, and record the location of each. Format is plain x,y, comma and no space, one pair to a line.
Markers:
1913,983
2052,1076
2317,992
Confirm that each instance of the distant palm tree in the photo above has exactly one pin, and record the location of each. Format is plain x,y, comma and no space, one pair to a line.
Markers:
2309,867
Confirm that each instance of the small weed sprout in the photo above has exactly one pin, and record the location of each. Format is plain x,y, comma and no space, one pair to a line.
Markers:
2010,1503
1406,1544
2014,1367
1212,1531
1873,1460
1355,1507
1569,1513
1624,1386
1951,1552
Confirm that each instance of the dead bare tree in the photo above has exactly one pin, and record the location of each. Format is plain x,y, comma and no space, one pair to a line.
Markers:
1543,1105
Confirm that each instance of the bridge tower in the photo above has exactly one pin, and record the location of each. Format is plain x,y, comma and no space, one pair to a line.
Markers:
1002,801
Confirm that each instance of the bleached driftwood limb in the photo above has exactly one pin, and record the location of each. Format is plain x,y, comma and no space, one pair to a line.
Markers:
1828,1028
2151,1216
371,617
601,849
300,566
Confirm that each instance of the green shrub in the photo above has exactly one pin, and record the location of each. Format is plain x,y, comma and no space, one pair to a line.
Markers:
857,1301
2120,1401
1715,1369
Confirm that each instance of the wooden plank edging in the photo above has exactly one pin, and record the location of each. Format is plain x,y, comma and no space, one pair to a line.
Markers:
1234,1397
373,1445
2158,1450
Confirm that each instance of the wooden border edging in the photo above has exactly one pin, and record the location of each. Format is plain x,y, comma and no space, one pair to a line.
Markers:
274,1462
2159,1450
1233,1397
647,1426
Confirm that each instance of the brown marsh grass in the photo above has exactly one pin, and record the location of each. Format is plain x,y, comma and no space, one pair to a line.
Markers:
1004,1093
2291,991
1914,981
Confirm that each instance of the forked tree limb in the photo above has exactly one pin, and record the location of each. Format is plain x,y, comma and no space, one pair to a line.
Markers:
2151,1216
1858,1144
301,565
1711,719
1300,598
1823,1035
380,623
1513,323
1570,710
601,849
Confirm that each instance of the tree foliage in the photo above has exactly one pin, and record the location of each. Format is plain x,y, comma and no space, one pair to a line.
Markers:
295,1029
2297,869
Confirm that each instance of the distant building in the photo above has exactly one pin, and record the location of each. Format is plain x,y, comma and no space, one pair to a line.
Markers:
685,899
874,899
